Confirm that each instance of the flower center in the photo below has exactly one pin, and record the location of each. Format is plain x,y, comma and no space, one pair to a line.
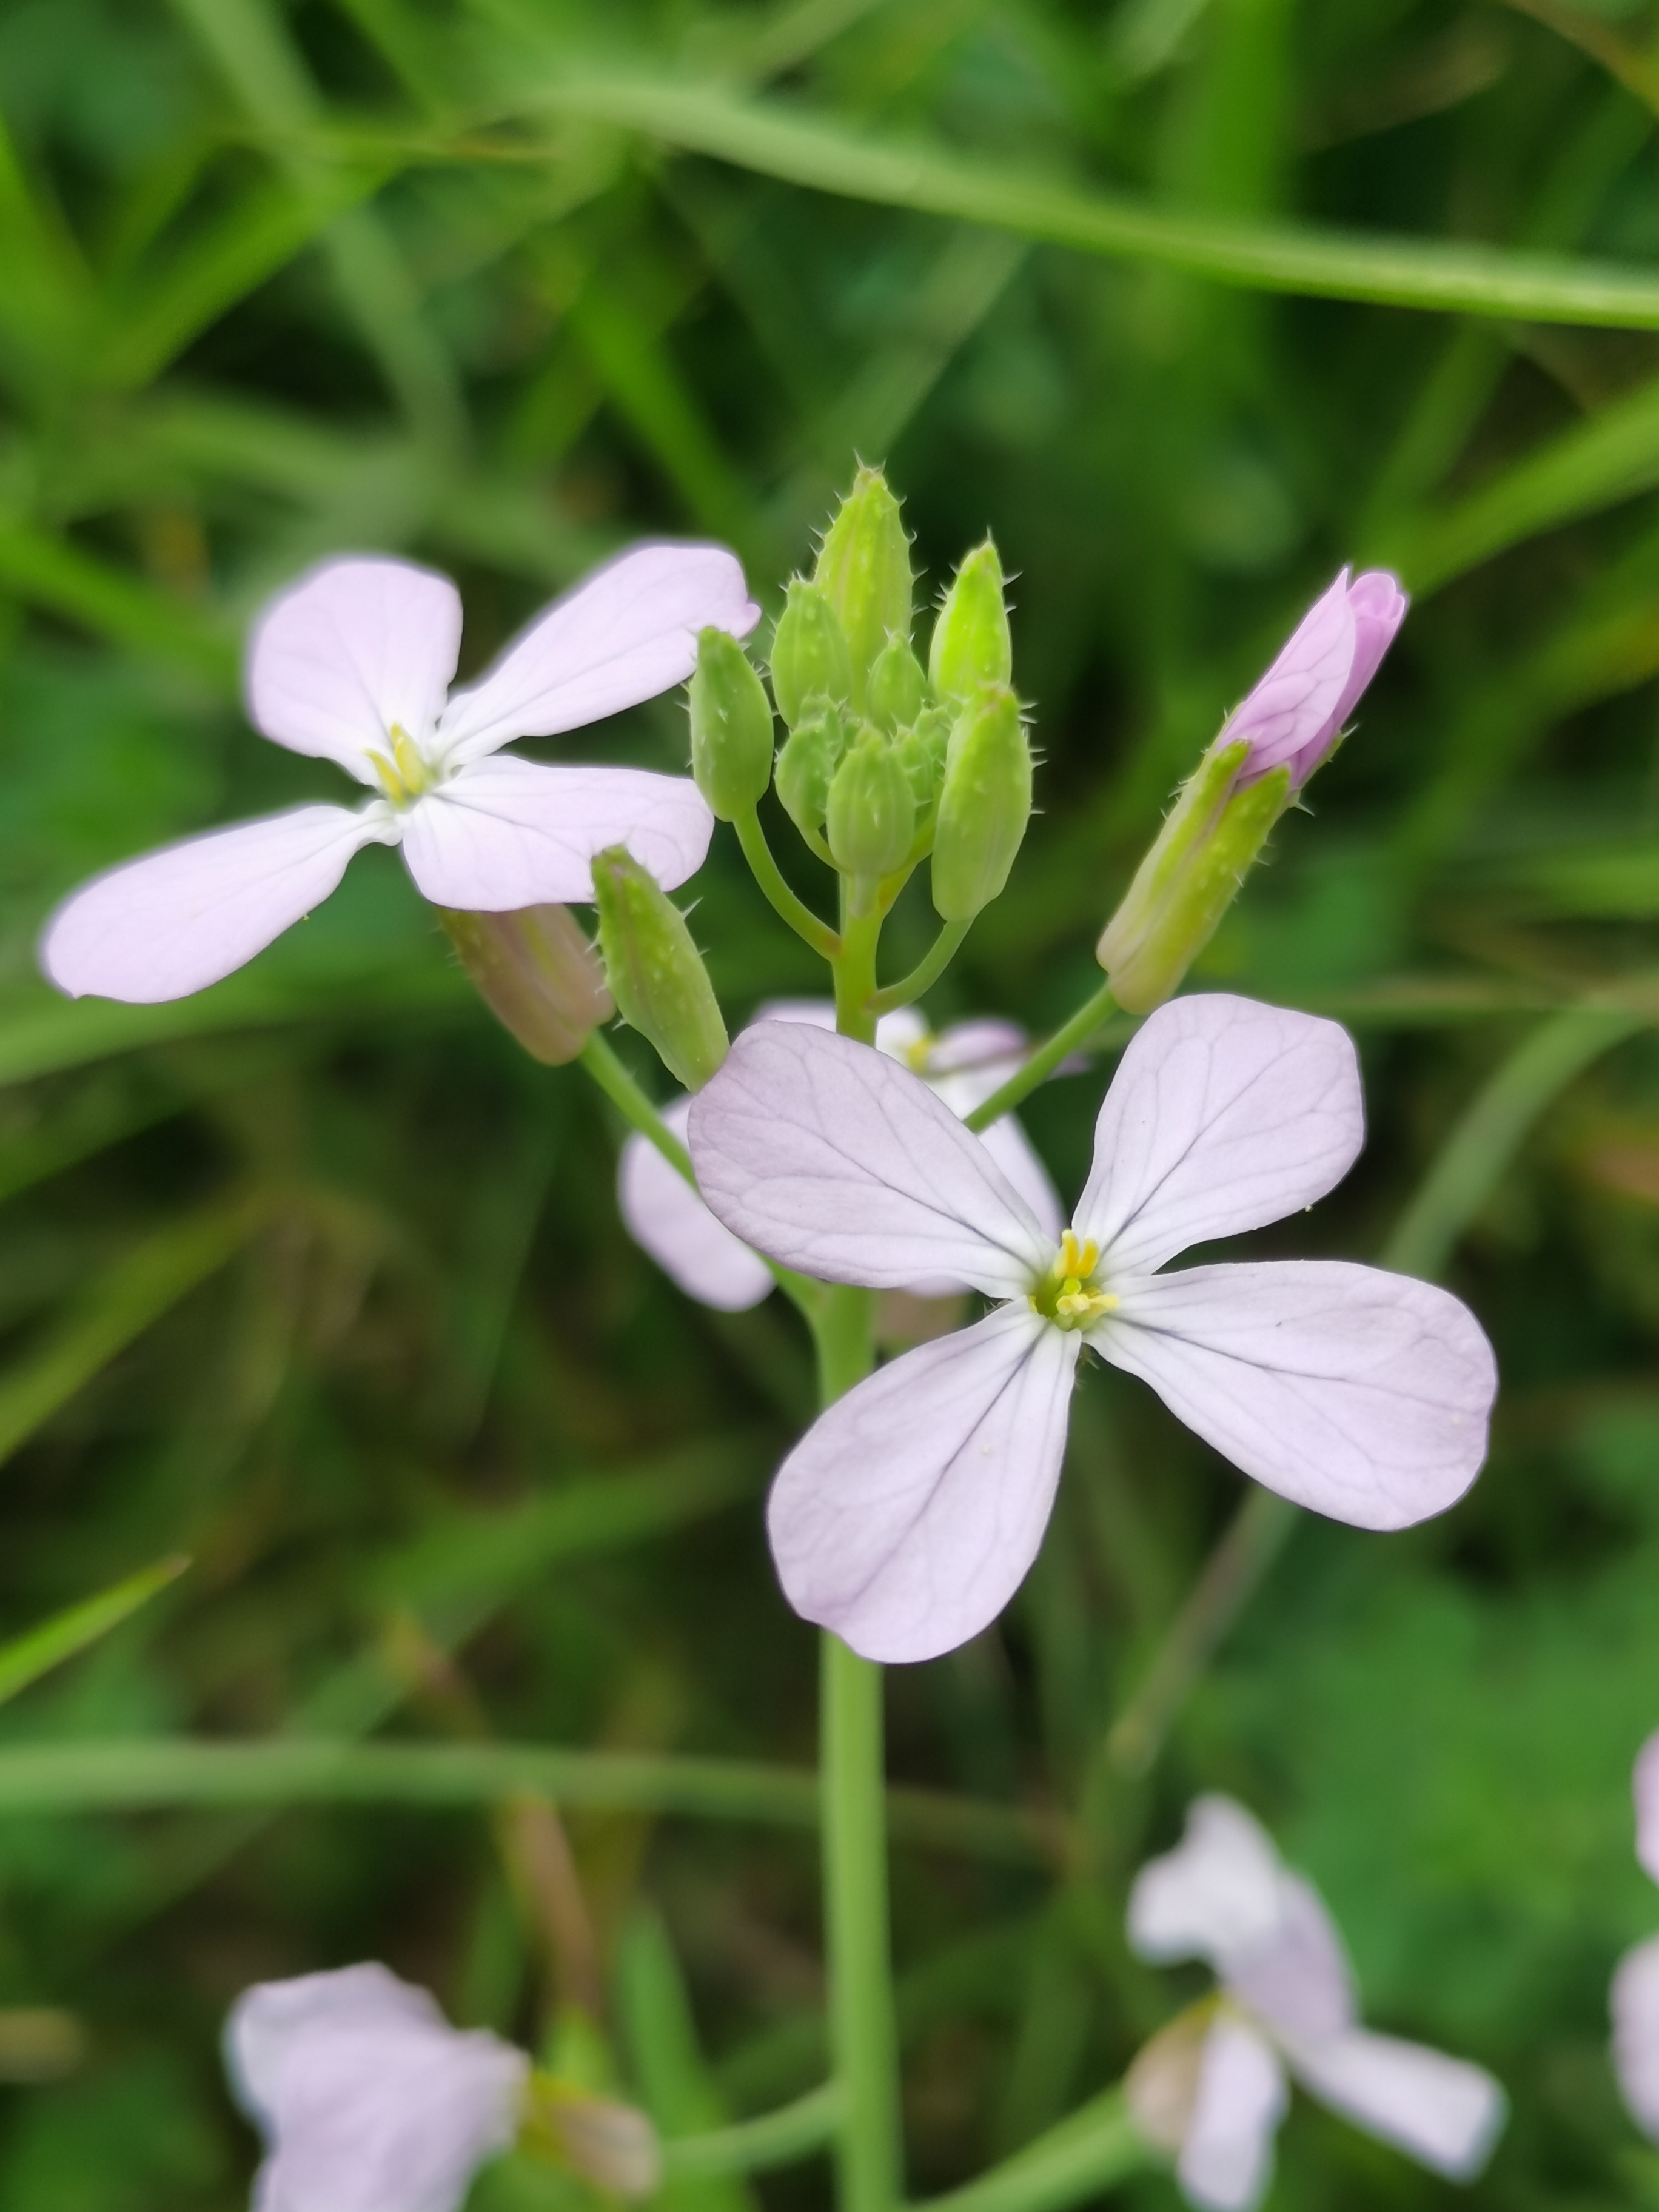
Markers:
405,775
1068,1294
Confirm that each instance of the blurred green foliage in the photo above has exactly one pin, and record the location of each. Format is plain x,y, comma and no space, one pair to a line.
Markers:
315,1279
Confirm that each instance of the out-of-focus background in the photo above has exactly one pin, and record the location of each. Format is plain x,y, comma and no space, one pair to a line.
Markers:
317,1279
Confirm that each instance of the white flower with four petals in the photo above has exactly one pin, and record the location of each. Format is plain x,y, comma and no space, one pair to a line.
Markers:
353,665
1211,2088
908,1516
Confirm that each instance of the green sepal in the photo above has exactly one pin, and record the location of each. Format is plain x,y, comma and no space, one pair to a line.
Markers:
870,817
537,975
984,804
971,644
898,690
731,727
921,750
811,661
806,767
864,571
1210,839
656,973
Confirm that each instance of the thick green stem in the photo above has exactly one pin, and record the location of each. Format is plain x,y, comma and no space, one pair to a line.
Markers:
1046,1059
855,970
927,971
765,870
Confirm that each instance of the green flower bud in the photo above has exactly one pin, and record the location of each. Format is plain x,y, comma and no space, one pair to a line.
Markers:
1189,878
971,645
898,690
731,727
537,975
983,805
656,973
806,767
864,571
811,661
871,814
921,751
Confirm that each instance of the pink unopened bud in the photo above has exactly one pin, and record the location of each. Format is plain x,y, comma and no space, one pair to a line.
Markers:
1295,714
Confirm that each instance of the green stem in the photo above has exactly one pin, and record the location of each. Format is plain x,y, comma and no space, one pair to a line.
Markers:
1083,2154
855,970
1046,1059
794,2131
765,870
927,971
631,1103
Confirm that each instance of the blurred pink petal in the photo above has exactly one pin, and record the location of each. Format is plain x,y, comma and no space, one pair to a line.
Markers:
829,1157
1297,1979
665,1217
509,833
1215,1894
1644,1785
189,914
625,633
1224,1115
1443,2112
1226,2161
1635,2005
908,1514
369,2101
355,647
1358,1393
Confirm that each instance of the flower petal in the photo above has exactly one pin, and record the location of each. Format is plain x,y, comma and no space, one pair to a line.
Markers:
907,1516
1443,2112
1294,705
1644,1785
625,633
1216,1894
1227,2159
186,916
833,1158
365,2095
1358,1393
351,648
509,833
665,1217
1222,1115
1378,606
1298,1979
1635,2003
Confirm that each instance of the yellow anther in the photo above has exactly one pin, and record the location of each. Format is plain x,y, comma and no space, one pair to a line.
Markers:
1066,1295
405,775
917,1055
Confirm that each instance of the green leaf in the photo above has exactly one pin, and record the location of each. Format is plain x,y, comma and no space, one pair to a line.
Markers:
27,1658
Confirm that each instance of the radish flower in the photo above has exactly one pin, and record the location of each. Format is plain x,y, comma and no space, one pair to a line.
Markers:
961,1064
908,1516
353,664
1295,714
369,2101
1211,2088
1636,1984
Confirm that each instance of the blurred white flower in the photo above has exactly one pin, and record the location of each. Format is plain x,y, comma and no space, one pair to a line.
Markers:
1636,1985
353,664
1211,2088
368,2099
961,1064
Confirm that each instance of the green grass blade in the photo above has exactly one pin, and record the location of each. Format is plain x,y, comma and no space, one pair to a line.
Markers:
47,573
1401,272
27,1658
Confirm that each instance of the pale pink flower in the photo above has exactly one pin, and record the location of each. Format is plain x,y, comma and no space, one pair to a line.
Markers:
1212,2089
353,665
1296,712
368,2099
908,1514
1636,1984
963,1065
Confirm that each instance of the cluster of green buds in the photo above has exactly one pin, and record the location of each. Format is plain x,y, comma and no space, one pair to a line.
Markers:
885,762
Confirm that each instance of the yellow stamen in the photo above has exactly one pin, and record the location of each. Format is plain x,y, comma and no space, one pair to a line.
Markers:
405,775
1066,1294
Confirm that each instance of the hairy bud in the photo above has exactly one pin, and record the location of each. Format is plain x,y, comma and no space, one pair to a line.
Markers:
983,806
870,817
537,975
811,662
971,645
898,690
864,571
656,973
1189,878
731,727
